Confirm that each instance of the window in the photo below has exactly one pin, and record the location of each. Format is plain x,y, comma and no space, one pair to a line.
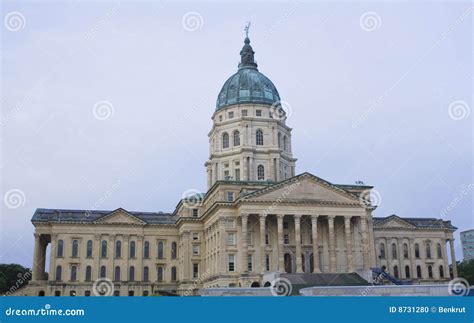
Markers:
117,274
59,252
441,272
231,238
382,251
173,274
88,273
220,117
225,140
89,249
132,249
230,224
418,271
146,274
267,262
237,174
231,263
72,293
131,274
103,251
394,251
73,273
195,270
417,250
428,250
195,213
258,113
249,238
146,250
145,293
59,271
174,250
226,175
279,140
286,239
260,173
230,196
395,271
267,239
249,262
439,251
244,113
286,224
405,251
87,293
236,138
195,249
430,272
407,271
103,272
259,138
231,114
75,248
160,274
195,236
285,143
160,250
118,249
116,293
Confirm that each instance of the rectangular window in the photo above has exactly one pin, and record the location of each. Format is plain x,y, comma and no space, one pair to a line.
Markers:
230,224
231,114
231,239
249,262
231,263
195,213
244,113
258,113
237,174
286,225
195,236
195,249
286,239
230,196
267,262
195,270
267,239
249,238
226,175
220,117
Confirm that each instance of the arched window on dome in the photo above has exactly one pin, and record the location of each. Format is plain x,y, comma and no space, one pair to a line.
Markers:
259,138
236,138
225,140
260,173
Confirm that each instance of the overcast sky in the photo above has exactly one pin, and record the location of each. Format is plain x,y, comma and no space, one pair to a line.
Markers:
108,105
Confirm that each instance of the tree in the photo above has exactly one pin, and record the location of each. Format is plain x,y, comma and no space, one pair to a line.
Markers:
13,277
466,271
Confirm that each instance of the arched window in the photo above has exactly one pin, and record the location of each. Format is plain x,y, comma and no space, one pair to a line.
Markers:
407,271
405,251
146,250
260,173
259,138
285,143
430,272
160,250
417,250
418,271
59,271
439,251
117,274
103,252
88,273
395,271
428,250
146,274
441,271
75,248
382,251
394,251
118,249
174,250
103,272
132,249
73,273
225,140
173,274
131,274
236,138
89,249
279,140
160,274
60,249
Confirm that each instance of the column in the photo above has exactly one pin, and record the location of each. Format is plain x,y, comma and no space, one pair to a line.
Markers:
263,218
222,265
350,261
281,261
186,255
244,242
365,243
314,233
96,256
110,258
252,169
453,258
139,252
332,245
411,249
299,267
52,258
36,261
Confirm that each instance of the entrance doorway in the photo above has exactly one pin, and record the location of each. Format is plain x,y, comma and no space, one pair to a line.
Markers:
288,264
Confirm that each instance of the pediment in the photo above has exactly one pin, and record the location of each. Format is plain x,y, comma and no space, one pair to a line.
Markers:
393,222
119,216
305,187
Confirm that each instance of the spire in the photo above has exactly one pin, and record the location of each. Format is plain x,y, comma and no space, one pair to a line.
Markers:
246,54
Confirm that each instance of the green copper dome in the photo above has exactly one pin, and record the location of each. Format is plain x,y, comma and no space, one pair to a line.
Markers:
248,85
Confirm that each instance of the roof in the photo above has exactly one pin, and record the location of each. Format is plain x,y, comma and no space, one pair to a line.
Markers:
89,216
421,223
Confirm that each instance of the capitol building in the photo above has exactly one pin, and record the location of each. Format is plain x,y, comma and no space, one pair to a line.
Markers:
257,217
